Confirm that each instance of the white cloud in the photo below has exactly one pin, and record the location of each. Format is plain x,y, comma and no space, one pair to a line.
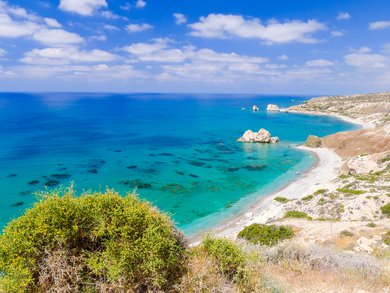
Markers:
337,33
135,28
343,16
377,25
15,22
319,63
228,25
386,48
2,52
88,72
109,15
100,38
56,37
179,18
14,29
140,4
110,27
83,7
283,57
67,55
363,60
126,6
159,51
51,22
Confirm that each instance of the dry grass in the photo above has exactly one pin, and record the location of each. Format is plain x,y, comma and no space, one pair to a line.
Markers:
290,268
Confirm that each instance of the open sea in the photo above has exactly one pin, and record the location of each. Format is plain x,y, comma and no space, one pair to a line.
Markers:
178,150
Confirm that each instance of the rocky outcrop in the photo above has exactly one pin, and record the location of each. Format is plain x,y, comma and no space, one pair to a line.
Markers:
255,108
262,136
313,141
364,164
273,108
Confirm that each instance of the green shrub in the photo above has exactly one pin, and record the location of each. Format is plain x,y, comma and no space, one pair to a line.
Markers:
386,238
322,201
350,191
281,199
229,256
371,225
307,198
386,210
297,214
266,234
320,191
89,243
346,233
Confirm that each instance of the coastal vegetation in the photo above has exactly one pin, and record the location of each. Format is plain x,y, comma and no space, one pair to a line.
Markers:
95,242
386,210
266,234
297,214
281,199
102,242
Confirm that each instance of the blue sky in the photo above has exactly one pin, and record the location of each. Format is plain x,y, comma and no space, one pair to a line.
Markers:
248,46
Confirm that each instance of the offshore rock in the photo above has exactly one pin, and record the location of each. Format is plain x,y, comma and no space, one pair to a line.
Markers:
262,136
273,108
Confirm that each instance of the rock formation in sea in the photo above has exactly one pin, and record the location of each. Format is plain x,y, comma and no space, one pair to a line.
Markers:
255,108
313,141
273,108
262,136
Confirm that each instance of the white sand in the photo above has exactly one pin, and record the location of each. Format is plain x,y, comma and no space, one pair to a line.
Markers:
266,209
322,175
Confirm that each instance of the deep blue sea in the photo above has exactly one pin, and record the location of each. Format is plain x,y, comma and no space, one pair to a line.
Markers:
179,151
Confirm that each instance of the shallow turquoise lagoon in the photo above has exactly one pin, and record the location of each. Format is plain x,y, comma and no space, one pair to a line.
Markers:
179,151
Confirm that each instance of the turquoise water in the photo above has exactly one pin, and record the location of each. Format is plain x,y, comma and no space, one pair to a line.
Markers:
179,151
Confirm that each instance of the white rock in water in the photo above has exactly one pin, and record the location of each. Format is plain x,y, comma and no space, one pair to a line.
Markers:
262,136
255,108
272,107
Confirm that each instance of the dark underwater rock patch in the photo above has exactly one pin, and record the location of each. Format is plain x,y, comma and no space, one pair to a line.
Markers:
93,171
118,151
62,169
179,172
17,204
60,176
26,192
233,169
174,188
33,182
150,171
255,167
136,183
12,175
132,167
193,176
166,154
51,183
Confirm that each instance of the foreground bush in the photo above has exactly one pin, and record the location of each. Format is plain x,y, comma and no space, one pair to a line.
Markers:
266,234
228,255
96,242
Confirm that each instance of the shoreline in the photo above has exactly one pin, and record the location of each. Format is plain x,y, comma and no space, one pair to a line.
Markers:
325,170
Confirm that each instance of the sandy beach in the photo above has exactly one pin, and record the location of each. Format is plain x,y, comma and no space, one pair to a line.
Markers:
321,176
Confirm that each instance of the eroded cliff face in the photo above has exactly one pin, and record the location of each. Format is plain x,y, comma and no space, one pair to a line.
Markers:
353,143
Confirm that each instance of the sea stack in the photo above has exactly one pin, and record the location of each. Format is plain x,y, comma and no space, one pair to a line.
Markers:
262,136
255,108
273,108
